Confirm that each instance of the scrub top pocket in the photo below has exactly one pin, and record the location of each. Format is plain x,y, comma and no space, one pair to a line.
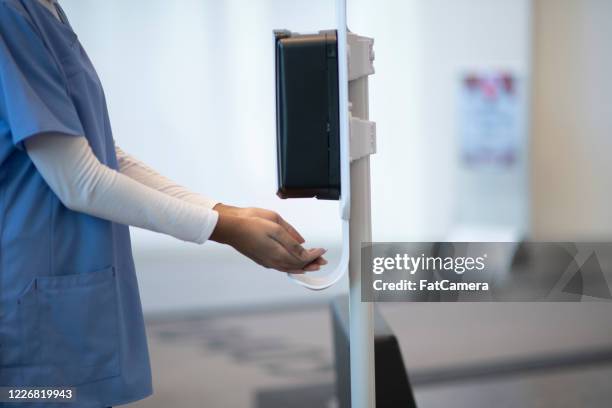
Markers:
70,329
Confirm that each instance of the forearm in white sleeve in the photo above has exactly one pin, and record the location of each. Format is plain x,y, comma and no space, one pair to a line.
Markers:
137,170
83,184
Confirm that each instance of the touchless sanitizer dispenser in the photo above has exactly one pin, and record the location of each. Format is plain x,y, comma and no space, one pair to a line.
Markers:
319,133
308,133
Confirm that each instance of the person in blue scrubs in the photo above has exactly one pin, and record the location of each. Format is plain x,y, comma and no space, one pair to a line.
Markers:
70,312
60,268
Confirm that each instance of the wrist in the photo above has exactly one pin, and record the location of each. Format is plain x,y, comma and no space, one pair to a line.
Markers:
227,228
226,209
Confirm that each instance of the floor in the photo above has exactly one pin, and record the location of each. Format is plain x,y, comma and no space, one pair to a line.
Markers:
282,356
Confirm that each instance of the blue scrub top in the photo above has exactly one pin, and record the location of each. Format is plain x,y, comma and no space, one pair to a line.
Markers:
70,312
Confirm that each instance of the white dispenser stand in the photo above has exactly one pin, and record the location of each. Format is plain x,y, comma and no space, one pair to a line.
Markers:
362,144
357,143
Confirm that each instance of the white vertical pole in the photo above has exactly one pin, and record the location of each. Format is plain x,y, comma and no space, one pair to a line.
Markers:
355,203
361,314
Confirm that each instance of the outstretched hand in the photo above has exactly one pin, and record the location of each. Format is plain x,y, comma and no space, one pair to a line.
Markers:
266,238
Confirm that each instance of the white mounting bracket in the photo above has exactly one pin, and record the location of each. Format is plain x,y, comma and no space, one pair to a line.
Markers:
360,56
361,64
363,138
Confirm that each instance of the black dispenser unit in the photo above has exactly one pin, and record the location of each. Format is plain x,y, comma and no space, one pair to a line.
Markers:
307,115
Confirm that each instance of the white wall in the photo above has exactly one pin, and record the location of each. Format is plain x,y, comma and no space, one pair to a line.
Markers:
572,132
422,48
190,86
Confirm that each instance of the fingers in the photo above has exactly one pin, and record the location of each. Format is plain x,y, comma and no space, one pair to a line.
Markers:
315,254
292,246
292,231
315,265
276,218
309,261
307,268
290,256
320,261
311,268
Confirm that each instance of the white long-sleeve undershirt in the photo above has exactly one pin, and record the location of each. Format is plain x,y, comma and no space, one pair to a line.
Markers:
83,184
139,171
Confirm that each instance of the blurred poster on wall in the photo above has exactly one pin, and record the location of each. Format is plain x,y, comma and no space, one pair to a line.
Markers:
489,122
